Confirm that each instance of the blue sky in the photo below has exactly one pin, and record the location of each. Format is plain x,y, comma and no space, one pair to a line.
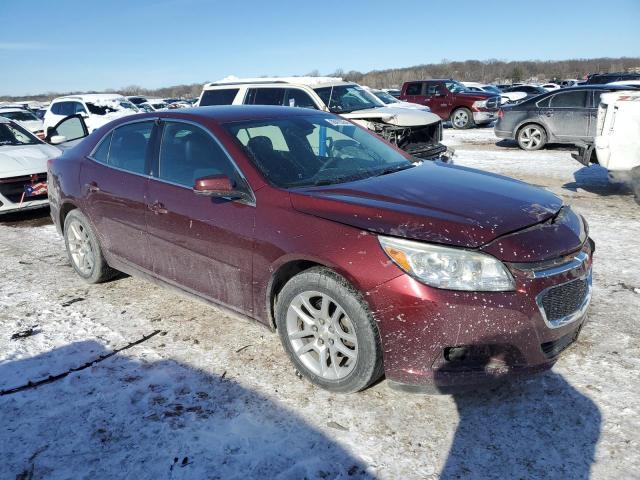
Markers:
80,45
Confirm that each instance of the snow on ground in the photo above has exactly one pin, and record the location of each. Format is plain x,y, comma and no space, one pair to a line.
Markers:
211,396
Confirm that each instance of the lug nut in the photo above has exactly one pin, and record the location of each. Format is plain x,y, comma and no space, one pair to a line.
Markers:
320,341
314,329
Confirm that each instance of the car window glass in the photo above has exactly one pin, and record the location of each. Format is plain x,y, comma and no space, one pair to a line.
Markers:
268,96
433,90
56,108
101,153
13,134
544,102
187,153
414,89
596,99
273,133
569,99
129,146
70,128
295,97
218,97
78,108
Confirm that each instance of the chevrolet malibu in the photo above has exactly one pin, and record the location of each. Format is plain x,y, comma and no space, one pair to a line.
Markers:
366,261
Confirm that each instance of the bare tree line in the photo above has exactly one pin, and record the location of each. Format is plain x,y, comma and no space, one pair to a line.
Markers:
487,71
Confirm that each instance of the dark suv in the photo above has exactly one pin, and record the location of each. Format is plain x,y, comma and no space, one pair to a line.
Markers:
602,78
453,101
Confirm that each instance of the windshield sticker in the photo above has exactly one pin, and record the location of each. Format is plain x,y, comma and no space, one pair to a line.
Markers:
337,121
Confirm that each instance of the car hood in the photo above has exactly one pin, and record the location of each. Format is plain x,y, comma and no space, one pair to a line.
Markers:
434,203
25,159
32,125
402,117
477,95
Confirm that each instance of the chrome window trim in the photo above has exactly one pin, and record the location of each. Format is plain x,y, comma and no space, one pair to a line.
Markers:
572,317
251,201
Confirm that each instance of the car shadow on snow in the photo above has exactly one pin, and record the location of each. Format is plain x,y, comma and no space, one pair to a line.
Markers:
36,217
137,418
596,179
540,427
556,147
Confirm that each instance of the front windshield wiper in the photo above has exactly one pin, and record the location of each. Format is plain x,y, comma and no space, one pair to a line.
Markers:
343,178
392,169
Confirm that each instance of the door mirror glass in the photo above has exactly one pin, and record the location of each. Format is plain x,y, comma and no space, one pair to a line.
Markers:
215,186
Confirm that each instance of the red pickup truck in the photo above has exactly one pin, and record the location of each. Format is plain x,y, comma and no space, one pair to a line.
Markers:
452,101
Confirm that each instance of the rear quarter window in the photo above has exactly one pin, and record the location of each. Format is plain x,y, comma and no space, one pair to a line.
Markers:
575,99
218,97
414,89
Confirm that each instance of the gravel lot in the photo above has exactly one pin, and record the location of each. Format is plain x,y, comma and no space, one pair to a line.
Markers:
210,396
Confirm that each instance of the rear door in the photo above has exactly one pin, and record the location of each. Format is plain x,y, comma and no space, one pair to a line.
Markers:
567,115
114,180
200,243
438,99
414,93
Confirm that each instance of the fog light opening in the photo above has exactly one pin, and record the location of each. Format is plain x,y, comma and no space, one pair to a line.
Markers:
456,354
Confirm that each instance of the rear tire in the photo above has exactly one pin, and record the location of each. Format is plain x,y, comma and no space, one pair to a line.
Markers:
462,118
531,137
328,332
83,249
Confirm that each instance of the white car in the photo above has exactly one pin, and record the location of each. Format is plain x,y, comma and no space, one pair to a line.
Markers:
626,83
417,132
96,109
485,87
569,82
383,99
550,86
23,168
157,103
26,118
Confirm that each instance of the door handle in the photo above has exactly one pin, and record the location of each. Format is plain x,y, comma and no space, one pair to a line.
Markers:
92,187
158,208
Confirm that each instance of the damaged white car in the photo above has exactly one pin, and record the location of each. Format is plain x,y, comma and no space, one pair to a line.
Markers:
96,109
417,132
23,168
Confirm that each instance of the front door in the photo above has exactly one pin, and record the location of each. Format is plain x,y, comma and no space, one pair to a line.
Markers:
567,115
200,243
115,179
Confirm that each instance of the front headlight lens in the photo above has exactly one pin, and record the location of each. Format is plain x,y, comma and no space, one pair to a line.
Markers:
480,103
449,268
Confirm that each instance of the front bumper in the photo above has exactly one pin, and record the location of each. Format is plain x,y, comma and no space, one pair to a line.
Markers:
443,340
485,116
13,197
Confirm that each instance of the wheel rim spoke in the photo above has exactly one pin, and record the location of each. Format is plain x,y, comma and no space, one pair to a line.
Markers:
80,249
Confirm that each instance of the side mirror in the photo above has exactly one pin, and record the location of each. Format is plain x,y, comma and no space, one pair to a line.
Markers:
216,186
57,139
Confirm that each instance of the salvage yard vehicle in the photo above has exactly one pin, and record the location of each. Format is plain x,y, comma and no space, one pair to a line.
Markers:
23,168
453,101
388,99
566,116
415,131
27,118
616,145
364,262
96,108
522,92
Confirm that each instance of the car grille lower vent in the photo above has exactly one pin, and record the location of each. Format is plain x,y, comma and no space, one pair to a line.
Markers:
563,300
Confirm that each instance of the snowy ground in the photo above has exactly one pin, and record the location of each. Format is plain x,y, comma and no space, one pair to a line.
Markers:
210,396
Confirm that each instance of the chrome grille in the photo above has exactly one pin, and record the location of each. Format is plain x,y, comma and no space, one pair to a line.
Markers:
493,102
562,302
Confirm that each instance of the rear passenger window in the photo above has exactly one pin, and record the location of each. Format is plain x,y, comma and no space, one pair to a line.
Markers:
544,103
575,99
218,97
266,96
433,89
101,153
188,152
298,98
414,89
129,145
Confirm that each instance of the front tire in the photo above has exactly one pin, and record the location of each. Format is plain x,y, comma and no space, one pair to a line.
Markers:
532,137
462,118
83,249
328,332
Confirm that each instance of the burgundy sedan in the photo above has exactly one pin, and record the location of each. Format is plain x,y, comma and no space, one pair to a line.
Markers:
363,259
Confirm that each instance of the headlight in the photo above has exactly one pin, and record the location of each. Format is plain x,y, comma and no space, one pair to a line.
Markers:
450,268
480,103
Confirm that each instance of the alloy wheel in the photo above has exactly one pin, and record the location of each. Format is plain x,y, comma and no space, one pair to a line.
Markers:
80,247
530,137
322,335
460,118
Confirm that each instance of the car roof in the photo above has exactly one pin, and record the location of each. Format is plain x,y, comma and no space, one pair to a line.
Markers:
90,97
236,113
13,109
308,81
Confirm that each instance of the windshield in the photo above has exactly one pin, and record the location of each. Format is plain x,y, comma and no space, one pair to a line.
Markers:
21,116
456,87
385,97
492,89
345,98
315,150
12,134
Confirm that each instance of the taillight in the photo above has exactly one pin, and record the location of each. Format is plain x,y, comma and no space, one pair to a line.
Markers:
500,113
